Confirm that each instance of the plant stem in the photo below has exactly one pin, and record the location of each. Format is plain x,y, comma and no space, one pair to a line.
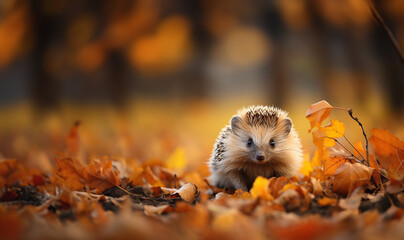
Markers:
364,134
354,148
346,149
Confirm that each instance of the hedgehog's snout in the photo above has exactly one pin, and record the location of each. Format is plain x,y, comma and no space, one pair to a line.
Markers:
260,157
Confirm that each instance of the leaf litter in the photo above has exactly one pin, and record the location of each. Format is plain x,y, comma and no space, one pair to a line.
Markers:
337,194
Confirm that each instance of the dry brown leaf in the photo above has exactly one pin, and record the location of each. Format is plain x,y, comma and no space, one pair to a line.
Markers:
276,184
317,113
316,186
290,199
353,201
187,192
389,150
349,176
150,210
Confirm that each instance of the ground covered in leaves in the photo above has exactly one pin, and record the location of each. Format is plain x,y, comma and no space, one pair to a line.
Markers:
345,190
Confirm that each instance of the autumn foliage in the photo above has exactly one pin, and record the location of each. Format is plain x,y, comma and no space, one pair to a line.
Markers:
336,193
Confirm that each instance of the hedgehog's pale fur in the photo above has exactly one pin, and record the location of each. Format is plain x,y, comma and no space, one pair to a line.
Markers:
234,165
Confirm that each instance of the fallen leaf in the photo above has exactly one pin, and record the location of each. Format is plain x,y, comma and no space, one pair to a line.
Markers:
290,199
316,186
353,201
187,192
240,194
260,189
325,201
389,150
151,178
317,113
349,176
98,175
150,210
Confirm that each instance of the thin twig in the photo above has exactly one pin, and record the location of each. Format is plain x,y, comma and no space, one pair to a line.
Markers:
123,189
346,139
381,22
364,134
352,155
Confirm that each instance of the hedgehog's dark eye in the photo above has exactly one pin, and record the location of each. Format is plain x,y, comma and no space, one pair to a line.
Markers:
249,142
272,143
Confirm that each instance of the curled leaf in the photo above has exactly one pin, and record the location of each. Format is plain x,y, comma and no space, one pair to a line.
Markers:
187,192
317,113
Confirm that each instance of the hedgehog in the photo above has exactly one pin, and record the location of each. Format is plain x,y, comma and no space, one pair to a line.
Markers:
260,141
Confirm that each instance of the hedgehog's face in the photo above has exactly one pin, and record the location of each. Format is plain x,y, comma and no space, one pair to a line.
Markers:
261,143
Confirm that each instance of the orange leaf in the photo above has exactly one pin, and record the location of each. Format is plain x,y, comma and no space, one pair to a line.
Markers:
335,129
389,150
260,189
324,201
320,139
331,164
317,113
98,175
350,176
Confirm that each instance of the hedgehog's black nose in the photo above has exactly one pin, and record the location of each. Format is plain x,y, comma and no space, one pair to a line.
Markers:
260,157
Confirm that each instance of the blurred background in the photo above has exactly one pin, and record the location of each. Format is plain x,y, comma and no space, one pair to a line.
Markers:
148,77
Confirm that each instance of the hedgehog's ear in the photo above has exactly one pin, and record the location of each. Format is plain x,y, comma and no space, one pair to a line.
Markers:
235,123
287,123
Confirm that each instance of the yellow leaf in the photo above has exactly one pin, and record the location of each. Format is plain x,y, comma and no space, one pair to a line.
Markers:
324,201
288,186
320,139
335,129
240,194
317,113
306,168
319,156
260,189
177,160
